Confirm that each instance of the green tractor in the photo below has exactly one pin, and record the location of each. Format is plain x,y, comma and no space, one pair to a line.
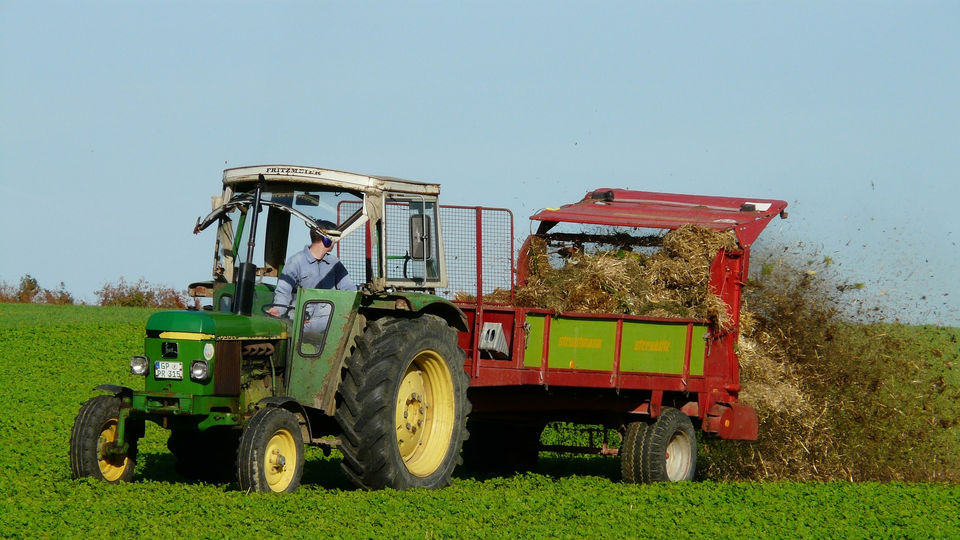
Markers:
375,372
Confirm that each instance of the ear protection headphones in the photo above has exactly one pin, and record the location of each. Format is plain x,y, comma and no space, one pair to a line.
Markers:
326,241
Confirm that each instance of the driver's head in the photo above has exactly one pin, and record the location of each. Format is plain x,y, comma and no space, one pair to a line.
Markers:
315,236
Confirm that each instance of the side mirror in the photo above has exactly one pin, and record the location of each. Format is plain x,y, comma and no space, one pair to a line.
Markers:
420,240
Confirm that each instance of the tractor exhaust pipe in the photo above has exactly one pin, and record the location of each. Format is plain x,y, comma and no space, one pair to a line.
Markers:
247,274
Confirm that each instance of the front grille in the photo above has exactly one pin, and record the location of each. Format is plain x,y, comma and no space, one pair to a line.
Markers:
226,370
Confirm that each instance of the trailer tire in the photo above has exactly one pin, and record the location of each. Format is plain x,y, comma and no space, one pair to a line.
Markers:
94,427
630,451
669,449
402,405
270,454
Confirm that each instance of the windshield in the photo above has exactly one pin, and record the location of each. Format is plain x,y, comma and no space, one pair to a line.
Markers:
283,227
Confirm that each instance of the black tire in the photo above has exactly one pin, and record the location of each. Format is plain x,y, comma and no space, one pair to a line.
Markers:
669,450
496,447
270,454
94,427
387,397
630,451
207,456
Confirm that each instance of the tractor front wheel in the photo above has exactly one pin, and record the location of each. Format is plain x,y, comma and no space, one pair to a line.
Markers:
402,405
93,442
270,455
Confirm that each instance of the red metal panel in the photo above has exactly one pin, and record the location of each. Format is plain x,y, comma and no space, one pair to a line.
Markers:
688,344
621,207
732,421
618,345
544,355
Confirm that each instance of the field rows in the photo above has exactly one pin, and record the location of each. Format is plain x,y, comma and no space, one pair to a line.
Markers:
53,356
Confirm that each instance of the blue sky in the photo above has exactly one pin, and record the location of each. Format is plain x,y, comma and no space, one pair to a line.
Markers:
117,118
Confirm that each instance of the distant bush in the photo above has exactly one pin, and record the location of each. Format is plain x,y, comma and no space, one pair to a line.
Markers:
142,294
29,291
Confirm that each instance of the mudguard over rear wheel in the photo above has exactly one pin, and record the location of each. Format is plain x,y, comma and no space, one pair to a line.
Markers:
402,405
92,439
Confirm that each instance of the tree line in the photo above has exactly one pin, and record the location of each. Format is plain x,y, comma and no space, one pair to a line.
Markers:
120,293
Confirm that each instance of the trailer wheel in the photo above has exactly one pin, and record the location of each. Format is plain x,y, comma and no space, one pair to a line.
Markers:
270,455
630,451
94,432
669,449
402,405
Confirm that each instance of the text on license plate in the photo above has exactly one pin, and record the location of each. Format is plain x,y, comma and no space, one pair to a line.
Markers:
168,370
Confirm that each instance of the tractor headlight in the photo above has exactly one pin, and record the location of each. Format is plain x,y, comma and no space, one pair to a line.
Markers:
199,371
138,365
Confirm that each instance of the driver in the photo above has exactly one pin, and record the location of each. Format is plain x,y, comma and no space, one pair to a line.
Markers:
314,267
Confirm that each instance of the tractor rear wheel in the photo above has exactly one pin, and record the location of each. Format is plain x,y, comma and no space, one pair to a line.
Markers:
92,438
669,449
270,455
402,405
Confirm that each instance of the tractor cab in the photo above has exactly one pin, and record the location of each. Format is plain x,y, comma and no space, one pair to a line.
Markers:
386,230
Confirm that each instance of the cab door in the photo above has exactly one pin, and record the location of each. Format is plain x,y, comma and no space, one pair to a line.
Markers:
322,325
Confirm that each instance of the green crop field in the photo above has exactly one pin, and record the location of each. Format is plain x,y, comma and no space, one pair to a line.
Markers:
53,356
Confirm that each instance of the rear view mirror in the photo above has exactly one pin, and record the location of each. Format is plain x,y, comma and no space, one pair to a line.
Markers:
420,240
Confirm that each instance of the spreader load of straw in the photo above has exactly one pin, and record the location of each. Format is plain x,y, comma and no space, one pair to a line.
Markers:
671,281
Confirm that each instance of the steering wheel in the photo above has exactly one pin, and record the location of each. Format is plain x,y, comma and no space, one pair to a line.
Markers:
285,310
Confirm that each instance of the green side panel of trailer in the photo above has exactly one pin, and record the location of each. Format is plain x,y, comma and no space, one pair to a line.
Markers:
534,351
590,344
574,343
659,348
582,344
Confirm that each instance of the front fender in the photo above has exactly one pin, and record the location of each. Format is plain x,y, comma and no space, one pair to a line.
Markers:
117,390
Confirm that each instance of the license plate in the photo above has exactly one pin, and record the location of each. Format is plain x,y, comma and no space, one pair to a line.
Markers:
168,370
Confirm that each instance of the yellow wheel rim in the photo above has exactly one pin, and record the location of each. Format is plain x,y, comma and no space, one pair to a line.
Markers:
280,460
112,466
425,413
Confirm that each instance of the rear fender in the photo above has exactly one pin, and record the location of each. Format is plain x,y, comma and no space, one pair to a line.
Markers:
398,305
448,312
732,421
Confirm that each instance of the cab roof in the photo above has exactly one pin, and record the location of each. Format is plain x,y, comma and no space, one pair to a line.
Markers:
310,177
647,209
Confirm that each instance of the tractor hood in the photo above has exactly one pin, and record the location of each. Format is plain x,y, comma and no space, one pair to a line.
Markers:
202,325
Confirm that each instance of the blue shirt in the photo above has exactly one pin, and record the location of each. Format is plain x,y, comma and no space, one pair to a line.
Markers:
302,269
